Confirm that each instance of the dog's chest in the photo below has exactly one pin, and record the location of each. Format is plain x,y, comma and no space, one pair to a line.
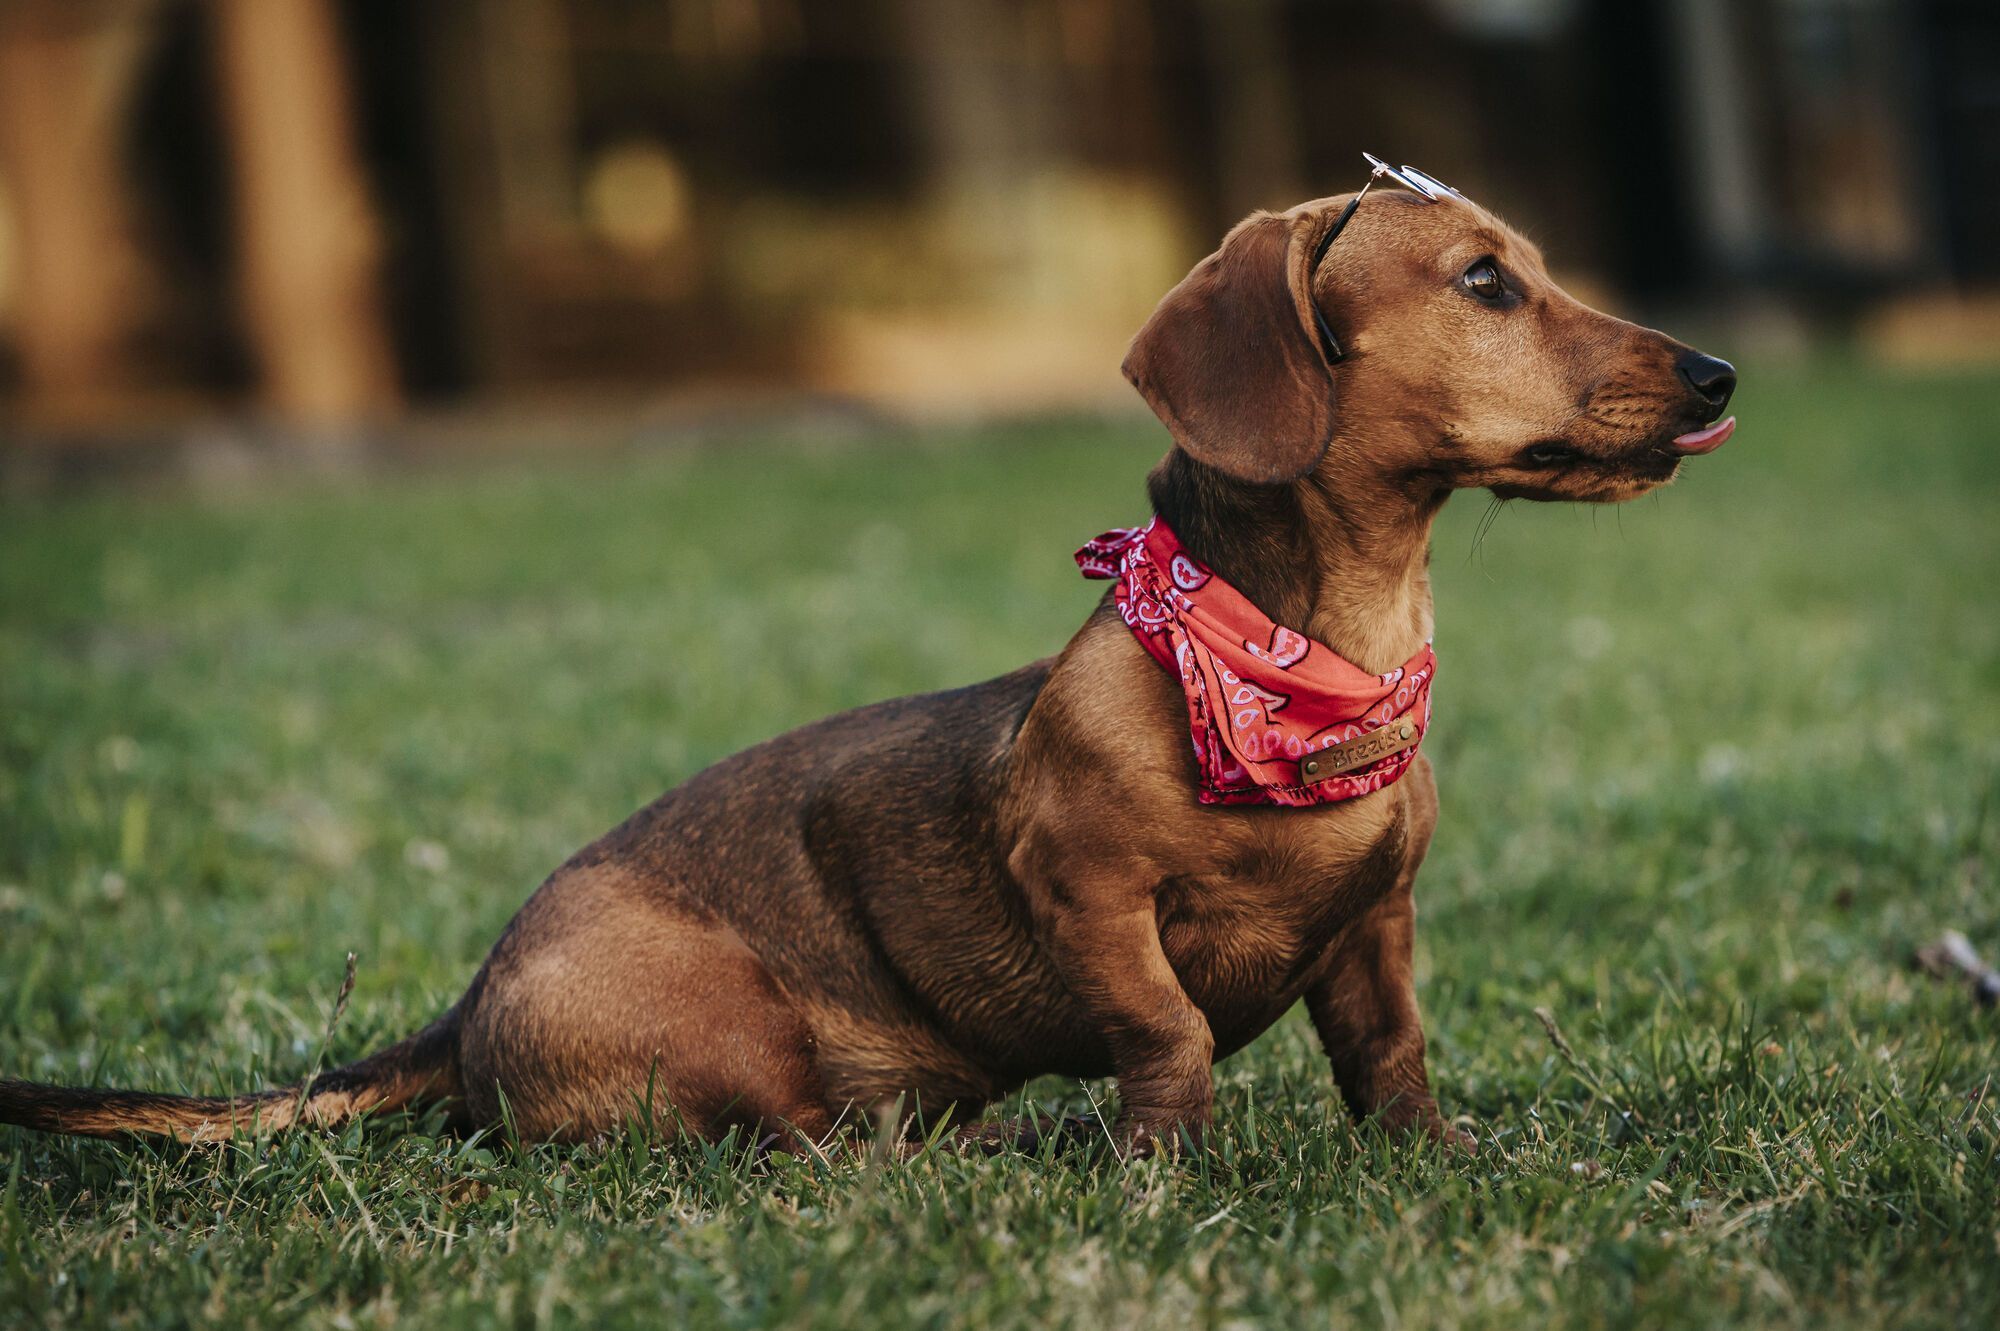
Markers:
1246,941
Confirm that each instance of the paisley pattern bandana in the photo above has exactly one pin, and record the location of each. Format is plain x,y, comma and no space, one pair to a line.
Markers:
1276,718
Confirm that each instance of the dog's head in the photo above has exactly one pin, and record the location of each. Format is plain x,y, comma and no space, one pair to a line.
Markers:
1460,363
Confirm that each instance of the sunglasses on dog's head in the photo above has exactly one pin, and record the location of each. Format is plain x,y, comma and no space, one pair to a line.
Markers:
1420,183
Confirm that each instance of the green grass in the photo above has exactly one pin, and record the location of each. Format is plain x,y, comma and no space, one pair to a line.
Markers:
1712,764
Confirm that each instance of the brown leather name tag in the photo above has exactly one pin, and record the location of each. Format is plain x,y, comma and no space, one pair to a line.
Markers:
1373,747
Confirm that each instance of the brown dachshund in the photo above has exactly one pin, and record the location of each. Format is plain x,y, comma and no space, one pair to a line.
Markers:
933,899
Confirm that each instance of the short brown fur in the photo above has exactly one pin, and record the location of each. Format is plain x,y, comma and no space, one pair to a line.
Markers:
933,899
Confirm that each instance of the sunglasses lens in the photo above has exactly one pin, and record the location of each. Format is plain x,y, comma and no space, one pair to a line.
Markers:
1419,183
1403,177
1425,184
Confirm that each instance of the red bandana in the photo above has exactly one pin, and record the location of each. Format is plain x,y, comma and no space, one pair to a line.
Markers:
1276,717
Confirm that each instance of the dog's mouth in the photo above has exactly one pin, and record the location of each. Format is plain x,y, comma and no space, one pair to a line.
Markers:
1559,470
1550,455
1556,468
1562,466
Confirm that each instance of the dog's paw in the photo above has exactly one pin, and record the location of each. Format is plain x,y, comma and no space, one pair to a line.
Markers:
1455,1137
1005,1136
1140,1138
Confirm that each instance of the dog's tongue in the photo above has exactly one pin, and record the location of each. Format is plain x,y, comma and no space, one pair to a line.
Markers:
1708,440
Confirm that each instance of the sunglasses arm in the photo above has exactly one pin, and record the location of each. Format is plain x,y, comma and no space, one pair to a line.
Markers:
1328,342
1339,224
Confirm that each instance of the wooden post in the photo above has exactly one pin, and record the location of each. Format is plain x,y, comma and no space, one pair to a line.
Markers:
65,71
1255,111
308,244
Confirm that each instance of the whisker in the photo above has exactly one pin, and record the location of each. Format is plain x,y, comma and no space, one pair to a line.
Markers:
1494,503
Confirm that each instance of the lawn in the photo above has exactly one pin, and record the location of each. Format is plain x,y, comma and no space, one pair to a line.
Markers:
1712,765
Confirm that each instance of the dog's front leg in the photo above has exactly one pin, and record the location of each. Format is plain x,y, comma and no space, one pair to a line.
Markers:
1105,942
1161,1047
1364,1005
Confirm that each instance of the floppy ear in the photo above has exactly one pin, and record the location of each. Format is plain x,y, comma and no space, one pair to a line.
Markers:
1231,360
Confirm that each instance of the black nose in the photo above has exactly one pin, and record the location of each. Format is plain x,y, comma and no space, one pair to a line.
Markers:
1714,380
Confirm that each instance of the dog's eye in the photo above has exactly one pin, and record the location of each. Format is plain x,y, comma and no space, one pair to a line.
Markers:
1484,281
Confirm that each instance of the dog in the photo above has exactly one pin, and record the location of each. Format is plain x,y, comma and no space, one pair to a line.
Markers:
928,901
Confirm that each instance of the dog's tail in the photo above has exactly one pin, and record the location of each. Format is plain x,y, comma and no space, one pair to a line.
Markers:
420,1069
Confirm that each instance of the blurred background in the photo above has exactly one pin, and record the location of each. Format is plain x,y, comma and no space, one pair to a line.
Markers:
303,219
289,670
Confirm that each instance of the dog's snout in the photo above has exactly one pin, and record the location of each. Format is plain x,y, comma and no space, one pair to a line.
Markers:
1711,379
